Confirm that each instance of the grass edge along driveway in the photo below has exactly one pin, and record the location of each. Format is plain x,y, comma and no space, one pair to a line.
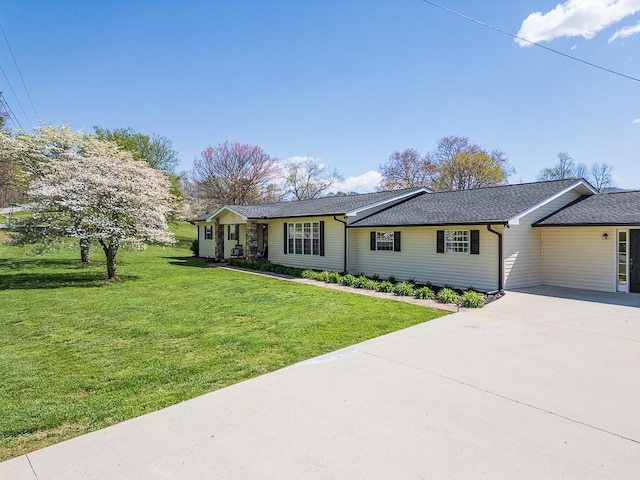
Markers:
78,353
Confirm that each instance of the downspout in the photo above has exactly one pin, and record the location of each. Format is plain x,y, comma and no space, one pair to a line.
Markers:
500,266
345,242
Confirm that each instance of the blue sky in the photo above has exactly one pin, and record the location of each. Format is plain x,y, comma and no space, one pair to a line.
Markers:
343,82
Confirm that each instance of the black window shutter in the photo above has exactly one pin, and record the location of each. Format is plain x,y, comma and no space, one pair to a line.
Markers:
396,241
322,238
475,242
286,239
440,241
372,240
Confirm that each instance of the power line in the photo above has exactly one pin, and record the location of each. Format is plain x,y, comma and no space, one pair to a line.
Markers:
19,72
471,19
14,94
12,116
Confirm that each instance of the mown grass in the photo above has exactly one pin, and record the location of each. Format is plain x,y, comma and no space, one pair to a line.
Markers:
78,353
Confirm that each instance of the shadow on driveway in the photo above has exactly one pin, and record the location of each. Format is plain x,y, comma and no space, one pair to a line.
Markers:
622,299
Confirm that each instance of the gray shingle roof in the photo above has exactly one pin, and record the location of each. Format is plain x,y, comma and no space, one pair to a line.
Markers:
482,205
319,206
620,208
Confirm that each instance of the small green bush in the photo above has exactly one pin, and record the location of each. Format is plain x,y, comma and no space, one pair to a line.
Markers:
334,277
310,274
403,289
373,285
392,279
425,293
194,247
385,286
322,276
348,280
471,299
361,282
446,295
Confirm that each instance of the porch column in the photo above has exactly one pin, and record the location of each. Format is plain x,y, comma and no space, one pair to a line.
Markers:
252,239
219,241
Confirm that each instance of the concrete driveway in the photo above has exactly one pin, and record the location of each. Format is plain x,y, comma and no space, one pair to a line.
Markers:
531,386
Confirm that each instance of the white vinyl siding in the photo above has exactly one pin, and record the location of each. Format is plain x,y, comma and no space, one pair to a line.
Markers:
523,246
418,259
333,245
578,257
206,248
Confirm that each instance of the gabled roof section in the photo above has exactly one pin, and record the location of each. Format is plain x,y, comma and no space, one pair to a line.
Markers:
620,208
499,204
338,205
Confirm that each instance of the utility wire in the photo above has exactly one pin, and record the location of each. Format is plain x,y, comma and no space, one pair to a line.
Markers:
19,72
16,96
471,19
12,116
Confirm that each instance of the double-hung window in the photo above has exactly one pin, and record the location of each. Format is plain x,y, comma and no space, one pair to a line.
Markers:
458,241
208,232
303,238
385,241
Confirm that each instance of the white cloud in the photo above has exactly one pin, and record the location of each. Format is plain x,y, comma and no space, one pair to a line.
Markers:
365,183
625,32
637,120
575,18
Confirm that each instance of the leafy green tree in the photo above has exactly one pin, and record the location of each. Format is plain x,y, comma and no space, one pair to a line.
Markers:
462,165
156,150
455,164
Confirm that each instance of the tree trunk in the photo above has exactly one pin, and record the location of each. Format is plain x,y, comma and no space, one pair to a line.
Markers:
84,250
110,252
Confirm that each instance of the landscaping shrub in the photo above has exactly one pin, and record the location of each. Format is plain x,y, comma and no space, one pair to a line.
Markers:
194,247
403,289
361,282
425,293
446,295
323,277
334,277
348,280
310,274
266,267
471,299
392,279
385,286
373,285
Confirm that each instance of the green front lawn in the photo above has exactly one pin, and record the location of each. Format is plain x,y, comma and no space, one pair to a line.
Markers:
78,353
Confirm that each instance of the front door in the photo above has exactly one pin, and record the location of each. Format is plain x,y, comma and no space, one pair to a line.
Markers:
634,261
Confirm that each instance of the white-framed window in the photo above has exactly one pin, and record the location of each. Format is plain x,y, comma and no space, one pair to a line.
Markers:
232,232
208,232
384,241
621,260
303,238
456,241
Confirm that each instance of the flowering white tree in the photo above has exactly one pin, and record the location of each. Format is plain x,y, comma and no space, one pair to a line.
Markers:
114,201
33,152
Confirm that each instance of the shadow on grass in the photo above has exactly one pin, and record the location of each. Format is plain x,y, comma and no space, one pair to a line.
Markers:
28,274
188,261
36,281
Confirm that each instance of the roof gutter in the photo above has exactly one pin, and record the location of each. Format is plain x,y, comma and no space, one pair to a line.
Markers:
345,242
500,267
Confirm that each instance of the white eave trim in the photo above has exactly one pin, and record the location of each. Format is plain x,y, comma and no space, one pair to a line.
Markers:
516,219
354,213
220,210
